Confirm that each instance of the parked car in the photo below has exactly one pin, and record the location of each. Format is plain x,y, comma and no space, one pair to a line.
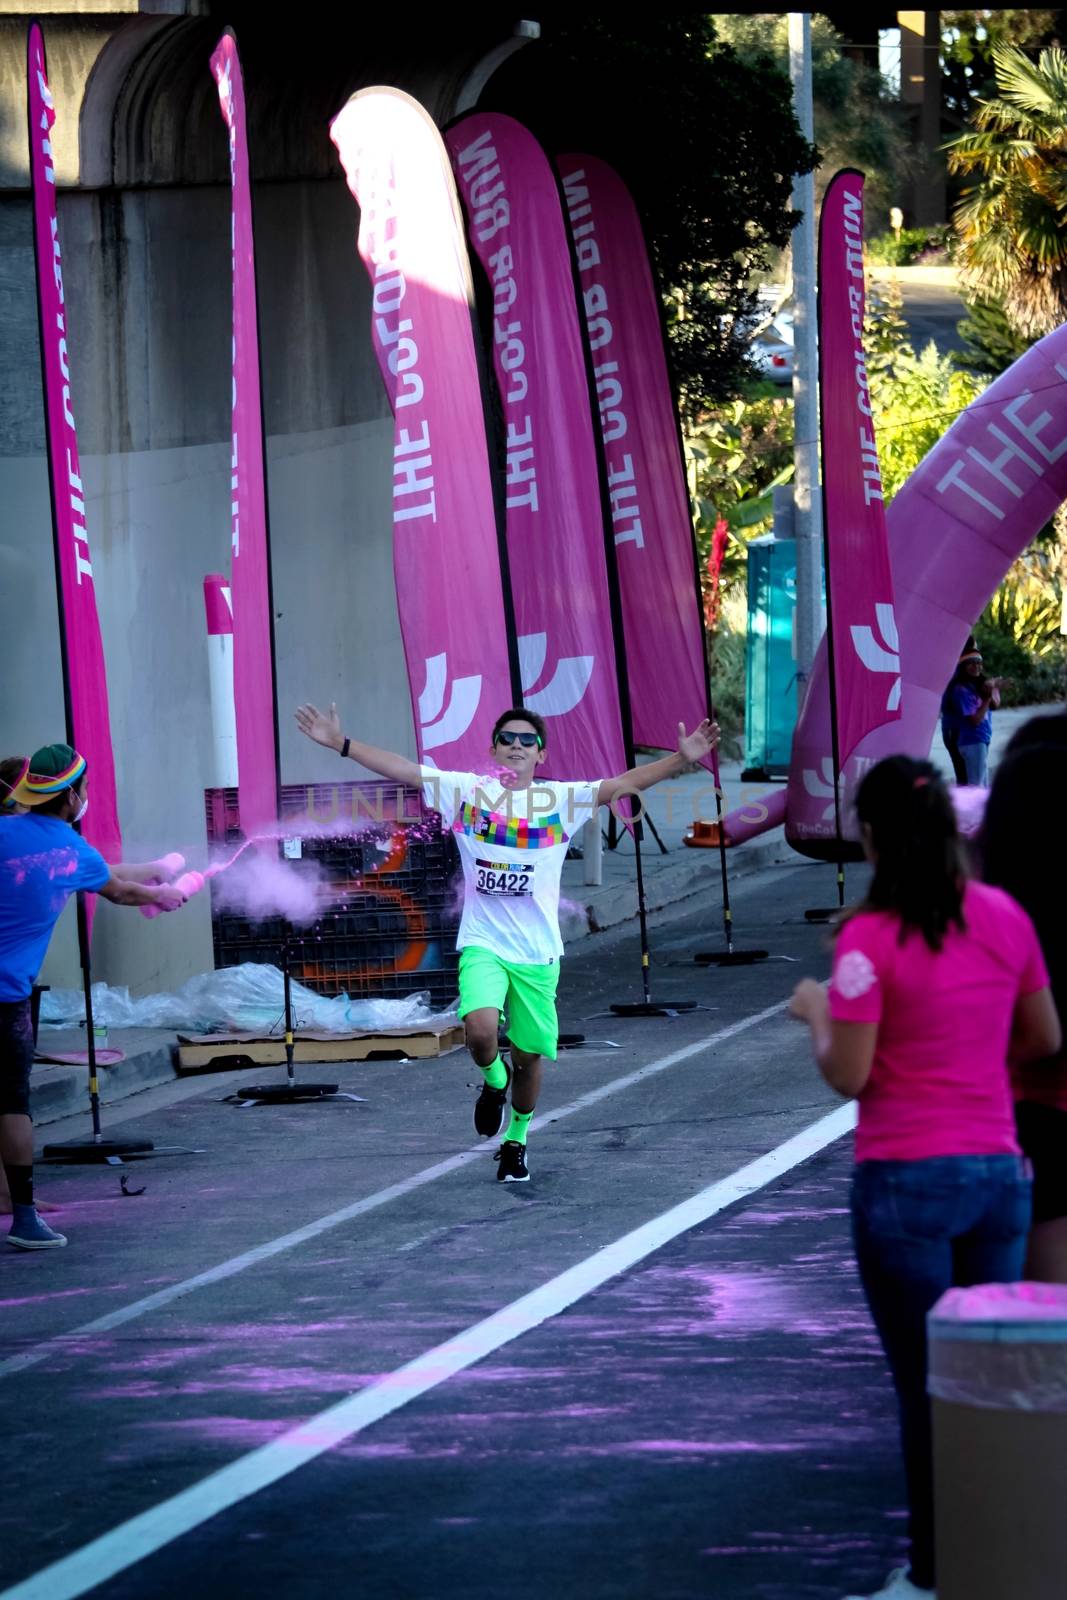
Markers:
772,349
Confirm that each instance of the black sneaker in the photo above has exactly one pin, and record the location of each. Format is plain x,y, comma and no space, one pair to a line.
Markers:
489,1110
512,1159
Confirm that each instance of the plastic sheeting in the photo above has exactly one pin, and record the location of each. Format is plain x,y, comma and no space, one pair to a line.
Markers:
1001,1347
244,999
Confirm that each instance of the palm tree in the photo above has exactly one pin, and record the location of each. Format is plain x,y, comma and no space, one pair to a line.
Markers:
1012,219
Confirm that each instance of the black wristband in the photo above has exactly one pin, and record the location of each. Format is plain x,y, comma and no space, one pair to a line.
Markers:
344,747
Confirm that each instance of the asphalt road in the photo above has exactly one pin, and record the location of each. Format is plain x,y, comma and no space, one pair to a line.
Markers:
714,1419
932,311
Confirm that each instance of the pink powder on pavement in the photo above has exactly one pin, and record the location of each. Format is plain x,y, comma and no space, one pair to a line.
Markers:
969,802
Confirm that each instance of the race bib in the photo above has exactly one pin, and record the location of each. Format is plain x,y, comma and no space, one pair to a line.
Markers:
503,878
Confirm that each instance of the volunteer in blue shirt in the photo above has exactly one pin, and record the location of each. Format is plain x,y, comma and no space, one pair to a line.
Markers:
43,861
971,698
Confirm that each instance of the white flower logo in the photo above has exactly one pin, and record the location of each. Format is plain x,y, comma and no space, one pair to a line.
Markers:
854,975
441,724
881,657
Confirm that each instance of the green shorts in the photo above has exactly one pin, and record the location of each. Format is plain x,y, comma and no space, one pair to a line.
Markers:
525,990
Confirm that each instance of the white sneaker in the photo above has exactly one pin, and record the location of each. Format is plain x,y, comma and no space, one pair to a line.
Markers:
898,1586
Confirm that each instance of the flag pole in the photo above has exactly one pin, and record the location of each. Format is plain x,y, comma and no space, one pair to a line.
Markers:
822,914
97,1148
835,738
646,1006
704,958
291,1092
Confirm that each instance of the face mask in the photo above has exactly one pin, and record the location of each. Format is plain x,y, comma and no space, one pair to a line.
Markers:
82,809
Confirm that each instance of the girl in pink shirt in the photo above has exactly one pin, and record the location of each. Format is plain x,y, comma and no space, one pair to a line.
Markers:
935,979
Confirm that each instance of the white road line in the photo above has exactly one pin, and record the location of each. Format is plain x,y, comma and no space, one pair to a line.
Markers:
334,1219
143,1535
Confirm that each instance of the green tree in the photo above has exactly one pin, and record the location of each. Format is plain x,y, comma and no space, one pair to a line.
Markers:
913,407
856,122
885,334
915,396
1012,214
1019,630
968,39
707,143
736,456
990,343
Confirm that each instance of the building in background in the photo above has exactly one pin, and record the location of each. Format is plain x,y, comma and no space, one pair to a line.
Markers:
908,43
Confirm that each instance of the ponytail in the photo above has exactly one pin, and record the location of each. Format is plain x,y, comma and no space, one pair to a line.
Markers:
919,871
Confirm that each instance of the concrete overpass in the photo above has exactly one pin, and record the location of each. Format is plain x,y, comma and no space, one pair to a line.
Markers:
144,223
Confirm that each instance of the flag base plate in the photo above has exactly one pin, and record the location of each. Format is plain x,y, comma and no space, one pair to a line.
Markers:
90,1150
651,1008
729,958
287,1094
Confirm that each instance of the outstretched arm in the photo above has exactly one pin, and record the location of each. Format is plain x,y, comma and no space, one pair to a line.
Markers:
324,727
149,871
121,892
692,748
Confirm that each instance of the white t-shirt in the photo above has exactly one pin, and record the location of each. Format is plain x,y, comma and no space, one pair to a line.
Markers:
512,843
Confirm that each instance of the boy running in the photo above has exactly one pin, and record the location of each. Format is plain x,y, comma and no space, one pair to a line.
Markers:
512,835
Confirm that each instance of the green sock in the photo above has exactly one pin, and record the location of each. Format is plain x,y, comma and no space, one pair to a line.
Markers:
496,1074
520,1121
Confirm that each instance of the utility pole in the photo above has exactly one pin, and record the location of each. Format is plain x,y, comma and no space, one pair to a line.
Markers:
809,625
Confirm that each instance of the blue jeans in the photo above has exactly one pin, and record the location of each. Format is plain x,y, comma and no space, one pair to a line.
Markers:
975,758
919,1228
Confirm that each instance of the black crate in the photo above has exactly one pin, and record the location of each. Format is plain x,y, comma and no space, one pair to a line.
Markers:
363,966
418,860
400,862
391,896
376,809
440,983
348,909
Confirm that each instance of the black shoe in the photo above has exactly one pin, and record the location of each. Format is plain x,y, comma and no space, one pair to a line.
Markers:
489,1110
512,1159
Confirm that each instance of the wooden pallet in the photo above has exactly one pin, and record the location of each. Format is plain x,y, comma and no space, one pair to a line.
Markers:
215,1052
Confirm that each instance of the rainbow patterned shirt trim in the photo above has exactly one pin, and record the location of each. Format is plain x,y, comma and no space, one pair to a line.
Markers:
515,833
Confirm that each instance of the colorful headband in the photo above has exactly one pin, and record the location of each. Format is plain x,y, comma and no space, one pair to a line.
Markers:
37,787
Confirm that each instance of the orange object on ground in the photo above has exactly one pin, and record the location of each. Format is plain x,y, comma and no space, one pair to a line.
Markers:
703,836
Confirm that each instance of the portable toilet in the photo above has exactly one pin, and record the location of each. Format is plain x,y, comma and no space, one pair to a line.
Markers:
770,663
771,660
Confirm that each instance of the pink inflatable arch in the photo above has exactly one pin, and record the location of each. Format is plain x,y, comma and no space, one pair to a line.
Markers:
968,510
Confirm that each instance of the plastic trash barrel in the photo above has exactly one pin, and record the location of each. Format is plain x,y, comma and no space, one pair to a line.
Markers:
998,1388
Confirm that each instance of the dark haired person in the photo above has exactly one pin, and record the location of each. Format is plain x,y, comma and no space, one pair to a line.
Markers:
950,721
934,979
1031,777
966,716
512,835
13,769
43,861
